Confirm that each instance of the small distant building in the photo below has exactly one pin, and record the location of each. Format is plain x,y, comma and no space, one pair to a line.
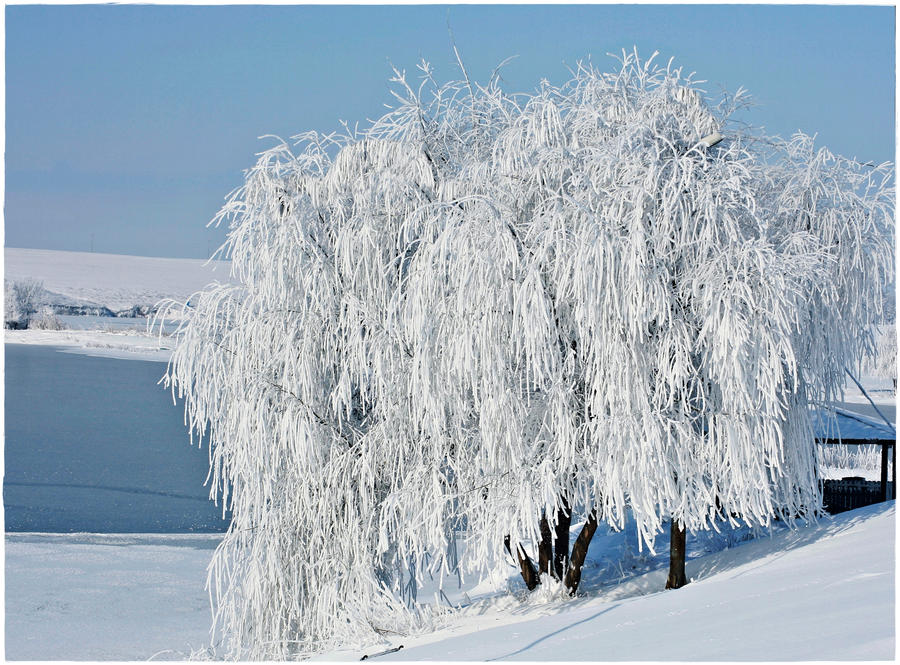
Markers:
836,426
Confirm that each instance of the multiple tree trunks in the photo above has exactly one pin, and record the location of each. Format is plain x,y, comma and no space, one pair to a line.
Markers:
568,569
554,547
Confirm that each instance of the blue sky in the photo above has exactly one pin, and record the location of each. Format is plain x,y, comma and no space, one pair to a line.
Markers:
126,126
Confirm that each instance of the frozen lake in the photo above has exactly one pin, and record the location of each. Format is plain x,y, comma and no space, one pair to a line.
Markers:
95,445
114,323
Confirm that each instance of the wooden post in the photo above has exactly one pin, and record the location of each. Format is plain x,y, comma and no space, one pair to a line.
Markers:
894,470
884,474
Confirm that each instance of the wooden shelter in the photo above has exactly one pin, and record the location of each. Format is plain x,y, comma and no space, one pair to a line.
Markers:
836,426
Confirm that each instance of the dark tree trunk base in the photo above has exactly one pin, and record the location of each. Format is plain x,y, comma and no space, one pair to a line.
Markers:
526,566
561,546
545,549
677,577
579,552
553,557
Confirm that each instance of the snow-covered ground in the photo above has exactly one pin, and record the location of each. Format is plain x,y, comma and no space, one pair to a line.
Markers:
824,592
821,592
124,343
106,597
111,280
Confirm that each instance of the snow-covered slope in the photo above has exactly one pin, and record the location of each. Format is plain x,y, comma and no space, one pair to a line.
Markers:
820,593
823,592
111,280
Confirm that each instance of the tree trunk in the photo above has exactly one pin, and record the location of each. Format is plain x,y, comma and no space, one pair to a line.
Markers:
677,578
561,546
526,566
579,552
545,548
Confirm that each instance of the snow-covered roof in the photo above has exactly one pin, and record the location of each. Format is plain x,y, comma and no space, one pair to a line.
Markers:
831,422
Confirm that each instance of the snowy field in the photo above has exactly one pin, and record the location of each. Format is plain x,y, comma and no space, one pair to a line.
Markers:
823,592
106,597
111,280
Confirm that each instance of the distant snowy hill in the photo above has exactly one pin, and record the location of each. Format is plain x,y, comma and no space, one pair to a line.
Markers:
114,281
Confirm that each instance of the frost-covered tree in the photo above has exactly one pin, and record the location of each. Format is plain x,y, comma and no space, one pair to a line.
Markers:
489,316
22,299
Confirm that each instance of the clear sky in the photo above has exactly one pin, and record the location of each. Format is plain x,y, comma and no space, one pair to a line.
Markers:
126,126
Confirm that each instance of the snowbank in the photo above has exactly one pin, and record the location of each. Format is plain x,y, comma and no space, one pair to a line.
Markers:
125,344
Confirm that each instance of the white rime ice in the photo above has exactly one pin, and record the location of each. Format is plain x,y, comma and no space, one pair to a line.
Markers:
484,302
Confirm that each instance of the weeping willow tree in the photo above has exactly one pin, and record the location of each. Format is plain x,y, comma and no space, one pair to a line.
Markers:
489,317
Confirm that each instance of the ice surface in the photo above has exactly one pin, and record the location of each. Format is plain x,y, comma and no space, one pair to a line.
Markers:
94,444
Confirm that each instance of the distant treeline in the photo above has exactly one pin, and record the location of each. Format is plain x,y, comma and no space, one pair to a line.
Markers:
100,310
